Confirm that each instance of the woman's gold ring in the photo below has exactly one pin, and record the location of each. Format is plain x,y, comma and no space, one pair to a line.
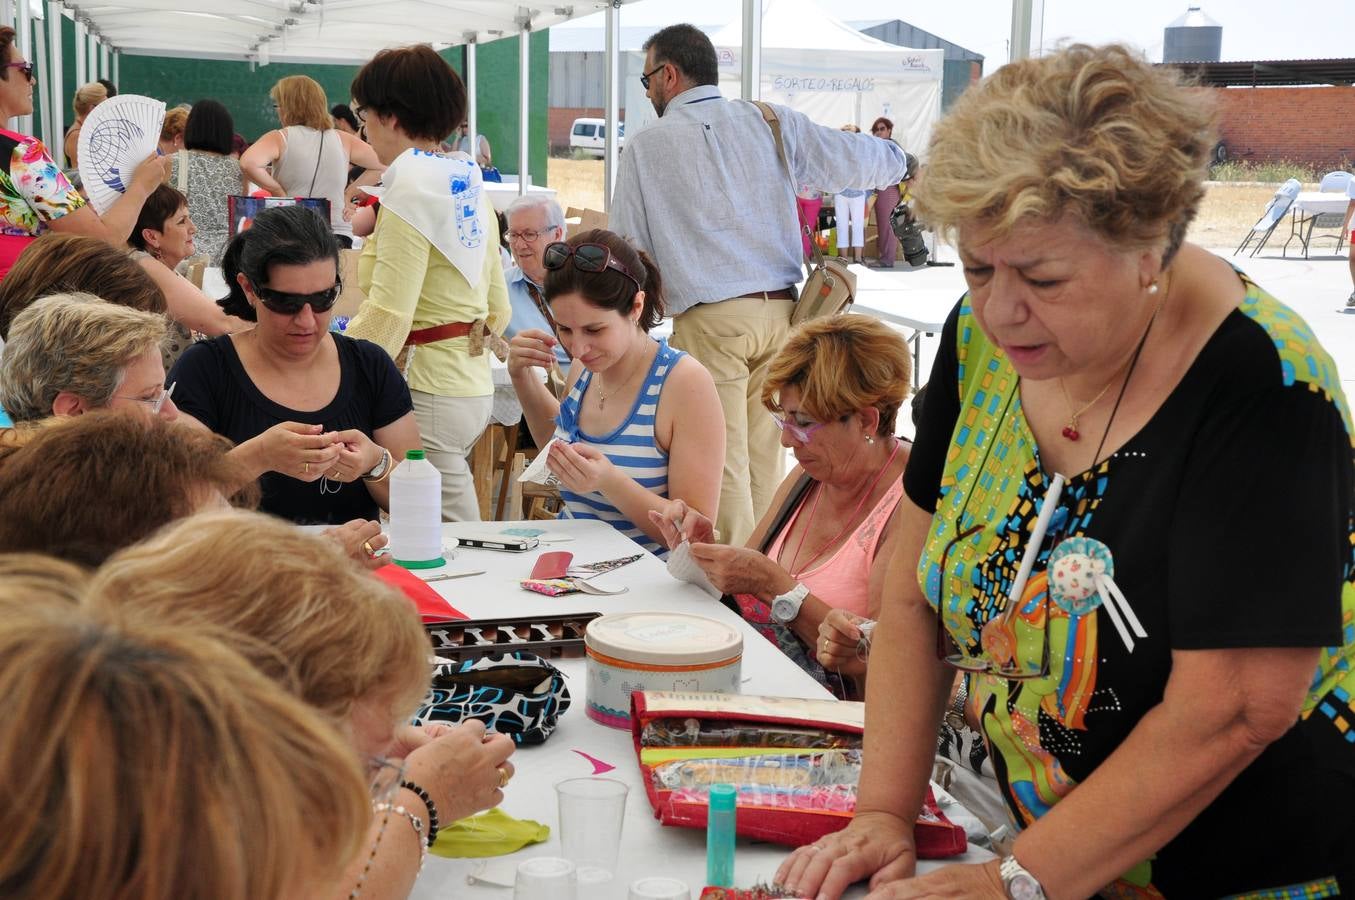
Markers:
305,468
504,777
368,548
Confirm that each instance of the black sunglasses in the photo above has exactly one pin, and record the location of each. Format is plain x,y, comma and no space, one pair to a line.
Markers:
25,67
285,304
587,258
644,79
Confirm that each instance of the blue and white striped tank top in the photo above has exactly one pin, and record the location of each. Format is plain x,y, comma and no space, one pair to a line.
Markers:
630,446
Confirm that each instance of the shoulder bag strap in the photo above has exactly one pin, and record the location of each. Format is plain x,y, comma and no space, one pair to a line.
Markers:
320,154
792,502
769,116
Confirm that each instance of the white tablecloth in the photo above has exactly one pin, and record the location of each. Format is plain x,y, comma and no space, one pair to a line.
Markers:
647,848
1316,203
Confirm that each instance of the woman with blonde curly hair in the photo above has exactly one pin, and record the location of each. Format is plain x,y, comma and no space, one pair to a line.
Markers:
812,569
150,762
1129,522
344,641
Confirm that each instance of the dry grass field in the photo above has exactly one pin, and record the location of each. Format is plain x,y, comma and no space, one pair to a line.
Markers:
1229,208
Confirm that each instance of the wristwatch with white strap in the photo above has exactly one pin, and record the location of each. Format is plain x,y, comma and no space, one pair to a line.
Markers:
1018,882
785,607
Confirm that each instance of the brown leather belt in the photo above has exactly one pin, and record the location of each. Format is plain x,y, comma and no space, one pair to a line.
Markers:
783,294
440,333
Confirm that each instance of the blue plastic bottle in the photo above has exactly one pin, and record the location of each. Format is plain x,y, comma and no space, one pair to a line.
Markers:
720,820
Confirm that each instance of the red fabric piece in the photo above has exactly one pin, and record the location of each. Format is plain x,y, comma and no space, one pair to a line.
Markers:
432,606
552,565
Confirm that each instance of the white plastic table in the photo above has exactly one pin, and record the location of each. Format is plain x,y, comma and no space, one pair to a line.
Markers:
647,848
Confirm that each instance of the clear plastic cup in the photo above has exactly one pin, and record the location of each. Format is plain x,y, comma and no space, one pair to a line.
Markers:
546,878
591,813
659,888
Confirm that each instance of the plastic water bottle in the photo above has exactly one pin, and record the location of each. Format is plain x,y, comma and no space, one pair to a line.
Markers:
416,513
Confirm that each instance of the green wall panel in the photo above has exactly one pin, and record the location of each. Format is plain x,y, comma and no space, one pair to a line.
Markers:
245,91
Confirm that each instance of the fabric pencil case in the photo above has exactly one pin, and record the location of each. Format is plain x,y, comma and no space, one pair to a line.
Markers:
516,693
795,764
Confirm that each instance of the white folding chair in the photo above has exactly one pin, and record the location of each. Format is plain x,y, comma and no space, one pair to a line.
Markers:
1274,212
1335,181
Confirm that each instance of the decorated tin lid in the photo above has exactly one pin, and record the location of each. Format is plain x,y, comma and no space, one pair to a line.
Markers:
663,638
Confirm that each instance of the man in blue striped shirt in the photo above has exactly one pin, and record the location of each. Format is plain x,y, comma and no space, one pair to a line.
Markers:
703,191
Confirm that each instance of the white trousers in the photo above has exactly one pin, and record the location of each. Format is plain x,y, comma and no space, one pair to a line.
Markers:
850,213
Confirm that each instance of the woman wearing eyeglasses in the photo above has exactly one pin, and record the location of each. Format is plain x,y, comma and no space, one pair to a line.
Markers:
1129,521
641,423
431,268
813,569
34,195
319,417
68,354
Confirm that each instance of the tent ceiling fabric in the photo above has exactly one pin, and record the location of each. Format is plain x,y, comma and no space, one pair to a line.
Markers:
313,30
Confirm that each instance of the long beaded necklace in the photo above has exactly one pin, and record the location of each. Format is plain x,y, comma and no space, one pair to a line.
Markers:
818,494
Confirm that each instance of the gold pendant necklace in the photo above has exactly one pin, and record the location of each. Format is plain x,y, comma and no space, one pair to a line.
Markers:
602,397
1070,430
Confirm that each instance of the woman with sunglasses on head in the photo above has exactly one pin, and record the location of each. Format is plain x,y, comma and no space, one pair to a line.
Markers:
641,423
1128,524
319,417
812,570
886,198
431,268
34,194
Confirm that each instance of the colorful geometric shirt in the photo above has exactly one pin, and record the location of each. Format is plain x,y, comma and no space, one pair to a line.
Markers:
1226,523
33,191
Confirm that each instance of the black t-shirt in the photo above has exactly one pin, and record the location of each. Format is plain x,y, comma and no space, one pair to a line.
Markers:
211,385
1228,520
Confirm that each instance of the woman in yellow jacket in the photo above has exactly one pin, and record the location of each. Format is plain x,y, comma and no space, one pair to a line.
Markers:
431,269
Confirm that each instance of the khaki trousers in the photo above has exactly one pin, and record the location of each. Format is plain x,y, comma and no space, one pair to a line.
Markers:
449,428
735,340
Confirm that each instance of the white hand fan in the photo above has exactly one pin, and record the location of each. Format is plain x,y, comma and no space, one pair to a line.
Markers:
117,137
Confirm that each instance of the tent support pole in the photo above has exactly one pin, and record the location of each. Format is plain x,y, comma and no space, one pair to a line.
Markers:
80,55
472,107
524,98
611,97
752,50
52,86
42,69
23,27
1022,11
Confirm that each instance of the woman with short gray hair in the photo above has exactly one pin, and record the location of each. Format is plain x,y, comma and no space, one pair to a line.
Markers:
70,353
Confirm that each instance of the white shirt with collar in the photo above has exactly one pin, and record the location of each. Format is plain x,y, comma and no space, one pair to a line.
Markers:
702,190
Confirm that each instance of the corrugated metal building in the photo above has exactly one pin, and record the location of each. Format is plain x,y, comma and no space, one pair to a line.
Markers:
963,67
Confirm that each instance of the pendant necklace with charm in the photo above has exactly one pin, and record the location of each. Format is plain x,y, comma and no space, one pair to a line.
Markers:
602,397
1070,430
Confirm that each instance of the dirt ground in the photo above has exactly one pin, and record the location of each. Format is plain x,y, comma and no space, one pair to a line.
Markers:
1229,209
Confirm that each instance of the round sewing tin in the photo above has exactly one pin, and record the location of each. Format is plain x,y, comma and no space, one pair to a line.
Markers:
657,651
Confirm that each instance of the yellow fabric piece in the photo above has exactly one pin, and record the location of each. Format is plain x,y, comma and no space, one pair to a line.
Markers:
492,833
409,285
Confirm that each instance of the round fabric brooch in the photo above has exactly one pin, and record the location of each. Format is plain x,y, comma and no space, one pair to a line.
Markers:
1078,567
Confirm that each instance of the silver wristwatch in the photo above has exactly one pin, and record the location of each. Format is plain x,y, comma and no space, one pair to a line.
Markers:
381,466
785,607
1018,882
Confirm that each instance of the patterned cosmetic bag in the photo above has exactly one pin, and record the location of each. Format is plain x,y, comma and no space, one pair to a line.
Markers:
517,693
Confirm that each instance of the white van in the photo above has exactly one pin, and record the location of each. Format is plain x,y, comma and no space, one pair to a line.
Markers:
590,136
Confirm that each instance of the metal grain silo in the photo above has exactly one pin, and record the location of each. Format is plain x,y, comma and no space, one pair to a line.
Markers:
1192,38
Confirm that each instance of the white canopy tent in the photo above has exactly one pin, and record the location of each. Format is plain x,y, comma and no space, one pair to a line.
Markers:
298,31
824,68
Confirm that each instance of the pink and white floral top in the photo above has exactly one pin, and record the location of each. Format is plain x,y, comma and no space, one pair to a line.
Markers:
33,190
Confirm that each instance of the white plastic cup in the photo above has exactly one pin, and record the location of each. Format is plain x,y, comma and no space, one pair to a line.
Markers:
659,888
416,513
591,814
545,878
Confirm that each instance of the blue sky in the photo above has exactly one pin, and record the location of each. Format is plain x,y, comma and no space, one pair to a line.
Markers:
1252,29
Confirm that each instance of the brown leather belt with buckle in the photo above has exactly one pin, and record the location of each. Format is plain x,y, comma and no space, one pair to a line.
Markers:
783,294
440,333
